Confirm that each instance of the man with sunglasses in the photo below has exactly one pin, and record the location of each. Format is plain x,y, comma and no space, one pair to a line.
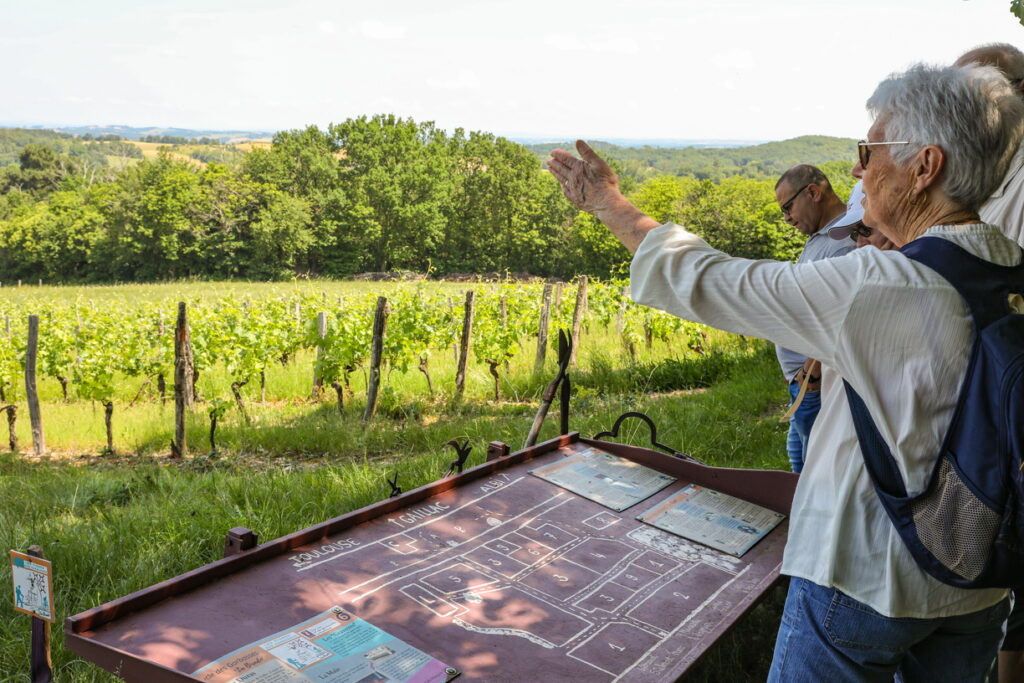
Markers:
810,205
1005,208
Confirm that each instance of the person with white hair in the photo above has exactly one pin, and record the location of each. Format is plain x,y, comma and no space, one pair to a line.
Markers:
1005,207
859,606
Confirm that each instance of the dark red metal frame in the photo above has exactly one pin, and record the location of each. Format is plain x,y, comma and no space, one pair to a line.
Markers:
771,489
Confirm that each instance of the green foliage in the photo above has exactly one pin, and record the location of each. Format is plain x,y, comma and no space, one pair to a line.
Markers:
369,194
504,214
281,235
394,173
39,162
419,323
179,140
209,152
1017,10
347,342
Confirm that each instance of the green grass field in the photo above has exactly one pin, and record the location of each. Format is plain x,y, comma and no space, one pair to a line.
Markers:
115,524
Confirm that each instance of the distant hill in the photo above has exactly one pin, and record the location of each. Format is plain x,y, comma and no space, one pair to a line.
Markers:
99,150
95,154
766,160
131,133
100,146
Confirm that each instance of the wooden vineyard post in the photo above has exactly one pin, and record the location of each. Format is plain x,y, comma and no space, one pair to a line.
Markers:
31,394
558,295
40,663
577,317
380,320
12,418
183,379
321,332
542,328
467,332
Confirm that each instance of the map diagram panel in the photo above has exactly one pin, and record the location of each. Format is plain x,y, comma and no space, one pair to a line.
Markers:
715,519
604,478
520,566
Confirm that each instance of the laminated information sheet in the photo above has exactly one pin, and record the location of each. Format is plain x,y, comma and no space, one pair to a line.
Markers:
33,587
715,519
332,647
604,478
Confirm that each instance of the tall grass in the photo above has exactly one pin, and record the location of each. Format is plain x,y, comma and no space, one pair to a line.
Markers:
113,525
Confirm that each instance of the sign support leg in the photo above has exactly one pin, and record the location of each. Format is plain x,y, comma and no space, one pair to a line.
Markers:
40,662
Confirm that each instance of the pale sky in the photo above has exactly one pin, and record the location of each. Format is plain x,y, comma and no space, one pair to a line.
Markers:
694,69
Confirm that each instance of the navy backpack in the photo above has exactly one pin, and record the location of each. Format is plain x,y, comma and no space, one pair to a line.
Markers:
967,528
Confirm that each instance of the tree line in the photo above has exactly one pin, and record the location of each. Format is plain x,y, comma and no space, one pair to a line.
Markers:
766,161
377,193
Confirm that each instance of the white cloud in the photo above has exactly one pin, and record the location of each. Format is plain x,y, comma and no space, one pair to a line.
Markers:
465,79
561,41
734,59
603,44
626,46
378,30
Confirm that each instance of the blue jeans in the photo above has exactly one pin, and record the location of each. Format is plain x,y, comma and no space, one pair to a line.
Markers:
800,425
826,635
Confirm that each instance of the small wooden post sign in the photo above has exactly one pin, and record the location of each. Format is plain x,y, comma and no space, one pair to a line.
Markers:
33,585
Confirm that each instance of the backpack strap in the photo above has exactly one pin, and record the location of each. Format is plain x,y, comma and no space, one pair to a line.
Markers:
881,466
984,285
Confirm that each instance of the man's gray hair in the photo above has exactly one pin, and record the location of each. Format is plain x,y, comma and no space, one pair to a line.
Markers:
971,112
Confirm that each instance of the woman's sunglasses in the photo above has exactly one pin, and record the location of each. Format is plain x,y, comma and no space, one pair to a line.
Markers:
860,230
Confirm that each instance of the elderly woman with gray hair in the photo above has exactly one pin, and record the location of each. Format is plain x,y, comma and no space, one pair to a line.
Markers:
859,607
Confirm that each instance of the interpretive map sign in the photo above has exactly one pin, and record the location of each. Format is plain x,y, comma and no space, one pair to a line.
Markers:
604,478
332,647
498,574
33,588
715,519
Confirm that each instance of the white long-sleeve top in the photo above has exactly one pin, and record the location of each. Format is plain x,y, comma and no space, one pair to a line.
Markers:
1005,208
900,334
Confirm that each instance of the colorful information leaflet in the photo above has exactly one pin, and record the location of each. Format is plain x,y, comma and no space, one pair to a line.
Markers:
722,522
332,647
604,478
33,587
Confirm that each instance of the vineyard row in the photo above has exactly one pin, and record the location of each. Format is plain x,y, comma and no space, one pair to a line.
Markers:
88,347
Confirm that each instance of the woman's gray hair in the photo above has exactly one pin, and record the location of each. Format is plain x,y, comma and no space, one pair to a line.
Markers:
971,112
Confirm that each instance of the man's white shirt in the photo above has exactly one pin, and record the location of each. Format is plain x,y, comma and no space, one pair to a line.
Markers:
1005,208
